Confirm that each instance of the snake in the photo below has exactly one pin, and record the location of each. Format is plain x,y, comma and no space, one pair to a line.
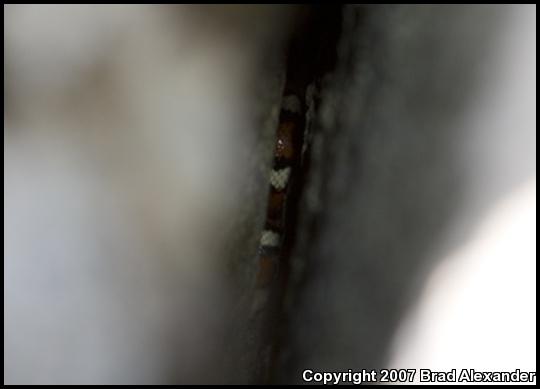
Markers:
309,58
290,146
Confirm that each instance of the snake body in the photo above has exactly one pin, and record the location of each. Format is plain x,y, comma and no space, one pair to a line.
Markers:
285,170
310,55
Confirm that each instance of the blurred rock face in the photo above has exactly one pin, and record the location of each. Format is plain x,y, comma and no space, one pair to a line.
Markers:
129,132
426,125
137,145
